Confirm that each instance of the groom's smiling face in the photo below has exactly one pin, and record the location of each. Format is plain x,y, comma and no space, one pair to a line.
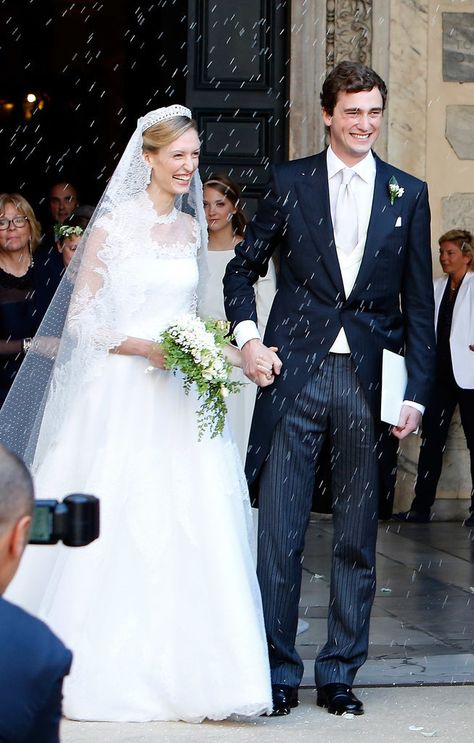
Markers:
354,125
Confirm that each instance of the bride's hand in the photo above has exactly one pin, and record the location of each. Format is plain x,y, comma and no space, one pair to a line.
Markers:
233,355
155,355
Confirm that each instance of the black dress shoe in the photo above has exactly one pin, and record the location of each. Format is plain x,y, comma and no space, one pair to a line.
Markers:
284,698
339,699
412,517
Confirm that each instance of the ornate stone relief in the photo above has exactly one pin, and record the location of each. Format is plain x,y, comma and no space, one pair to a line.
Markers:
348,31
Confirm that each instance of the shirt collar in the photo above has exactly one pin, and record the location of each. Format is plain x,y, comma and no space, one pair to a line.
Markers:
365,168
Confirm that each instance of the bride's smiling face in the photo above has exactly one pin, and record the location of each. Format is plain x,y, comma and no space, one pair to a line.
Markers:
174,164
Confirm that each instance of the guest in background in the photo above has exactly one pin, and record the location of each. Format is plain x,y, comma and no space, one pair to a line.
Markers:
24,294
63,200
226,225
68,238
454,322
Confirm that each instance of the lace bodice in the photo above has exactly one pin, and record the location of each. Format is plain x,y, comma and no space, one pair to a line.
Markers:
144,267
169,289
164,269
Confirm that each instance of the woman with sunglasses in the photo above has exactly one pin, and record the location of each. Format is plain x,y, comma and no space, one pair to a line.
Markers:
23,297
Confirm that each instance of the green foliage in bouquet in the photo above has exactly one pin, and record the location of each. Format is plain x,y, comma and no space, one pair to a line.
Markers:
194,347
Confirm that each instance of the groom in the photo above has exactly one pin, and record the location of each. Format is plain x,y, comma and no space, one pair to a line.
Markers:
355,277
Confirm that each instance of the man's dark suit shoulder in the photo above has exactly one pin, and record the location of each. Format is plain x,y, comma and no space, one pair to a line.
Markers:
33,663
302,166
308,166
405,180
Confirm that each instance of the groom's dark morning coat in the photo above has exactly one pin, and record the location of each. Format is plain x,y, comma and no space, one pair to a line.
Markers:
390,305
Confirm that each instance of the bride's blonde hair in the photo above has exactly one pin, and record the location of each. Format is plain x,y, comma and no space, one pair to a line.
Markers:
165,132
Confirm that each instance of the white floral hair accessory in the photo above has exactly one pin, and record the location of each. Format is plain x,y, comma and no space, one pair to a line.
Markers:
162,114
63,231
394,190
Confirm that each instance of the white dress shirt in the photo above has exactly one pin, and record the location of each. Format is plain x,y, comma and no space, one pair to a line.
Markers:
362,186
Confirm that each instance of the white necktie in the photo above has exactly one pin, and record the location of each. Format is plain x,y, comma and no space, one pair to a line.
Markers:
346,224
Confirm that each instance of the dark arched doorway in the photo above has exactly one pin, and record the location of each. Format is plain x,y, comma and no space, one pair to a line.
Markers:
91,67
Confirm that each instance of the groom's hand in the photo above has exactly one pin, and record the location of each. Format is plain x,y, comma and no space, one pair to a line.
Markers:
260,363
410,419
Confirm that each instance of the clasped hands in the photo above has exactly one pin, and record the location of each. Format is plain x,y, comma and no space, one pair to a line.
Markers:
260,363
261,369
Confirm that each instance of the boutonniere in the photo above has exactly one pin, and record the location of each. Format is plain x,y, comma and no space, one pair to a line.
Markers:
394,190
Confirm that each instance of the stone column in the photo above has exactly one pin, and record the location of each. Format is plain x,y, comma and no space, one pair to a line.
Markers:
307,73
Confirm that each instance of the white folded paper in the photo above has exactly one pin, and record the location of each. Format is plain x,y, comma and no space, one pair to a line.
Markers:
394,383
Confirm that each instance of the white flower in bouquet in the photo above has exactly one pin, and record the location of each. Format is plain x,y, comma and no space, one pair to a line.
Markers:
194,347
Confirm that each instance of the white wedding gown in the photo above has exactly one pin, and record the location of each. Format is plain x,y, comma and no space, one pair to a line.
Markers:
162,612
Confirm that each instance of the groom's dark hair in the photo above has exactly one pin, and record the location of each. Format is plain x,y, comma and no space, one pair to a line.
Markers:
350,77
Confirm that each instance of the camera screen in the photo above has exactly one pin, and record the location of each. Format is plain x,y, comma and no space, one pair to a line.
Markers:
42,527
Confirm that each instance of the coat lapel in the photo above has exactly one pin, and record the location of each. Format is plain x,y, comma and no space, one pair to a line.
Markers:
313,197
382,221
439,289
463,294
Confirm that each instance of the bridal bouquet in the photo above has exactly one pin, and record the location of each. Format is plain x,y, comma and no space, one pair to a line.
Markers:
194,347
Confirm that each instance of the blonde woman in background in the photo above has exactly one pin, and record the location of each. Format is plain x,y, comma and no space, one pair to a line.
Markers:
24,289
454,384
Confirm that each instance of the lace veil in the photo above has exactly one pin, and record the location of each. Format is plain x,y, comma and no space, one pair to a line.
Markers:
82,323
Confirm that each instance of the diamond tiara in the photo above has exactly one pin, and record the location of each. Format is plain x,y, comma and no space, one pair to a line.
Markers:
162,114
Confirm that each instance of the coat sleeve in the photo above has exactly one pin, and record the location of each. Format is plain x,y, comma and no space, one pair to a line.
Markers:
265,289
417,304
262,236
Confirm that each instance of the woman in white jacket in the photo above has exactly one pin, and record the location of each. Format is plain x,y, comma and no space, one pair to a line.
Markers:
454,384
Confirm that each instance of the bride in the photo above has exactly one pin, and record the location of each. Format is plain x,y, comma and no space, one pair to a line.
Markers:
163,611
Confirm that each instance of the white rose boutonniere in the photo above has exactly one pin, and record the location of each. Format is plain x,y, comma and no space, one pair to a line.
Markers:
394,190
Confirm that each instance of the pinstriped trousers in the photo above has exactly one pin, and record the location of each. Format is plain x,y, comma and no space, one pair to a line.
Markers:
331,403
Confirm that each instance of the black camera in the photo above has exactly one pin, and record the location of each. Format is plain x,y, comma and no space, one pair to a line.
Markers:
75,521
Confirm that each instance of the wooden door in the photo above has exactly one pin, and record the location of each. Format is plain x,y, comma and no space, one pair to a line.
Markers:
238,73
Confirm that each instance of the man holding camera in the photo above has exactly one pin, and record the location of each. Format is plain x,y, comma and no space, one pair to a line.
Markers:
33,661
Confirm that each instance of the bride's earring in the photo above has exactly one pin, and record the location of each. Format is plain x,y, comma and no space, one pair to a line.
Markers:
148,170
